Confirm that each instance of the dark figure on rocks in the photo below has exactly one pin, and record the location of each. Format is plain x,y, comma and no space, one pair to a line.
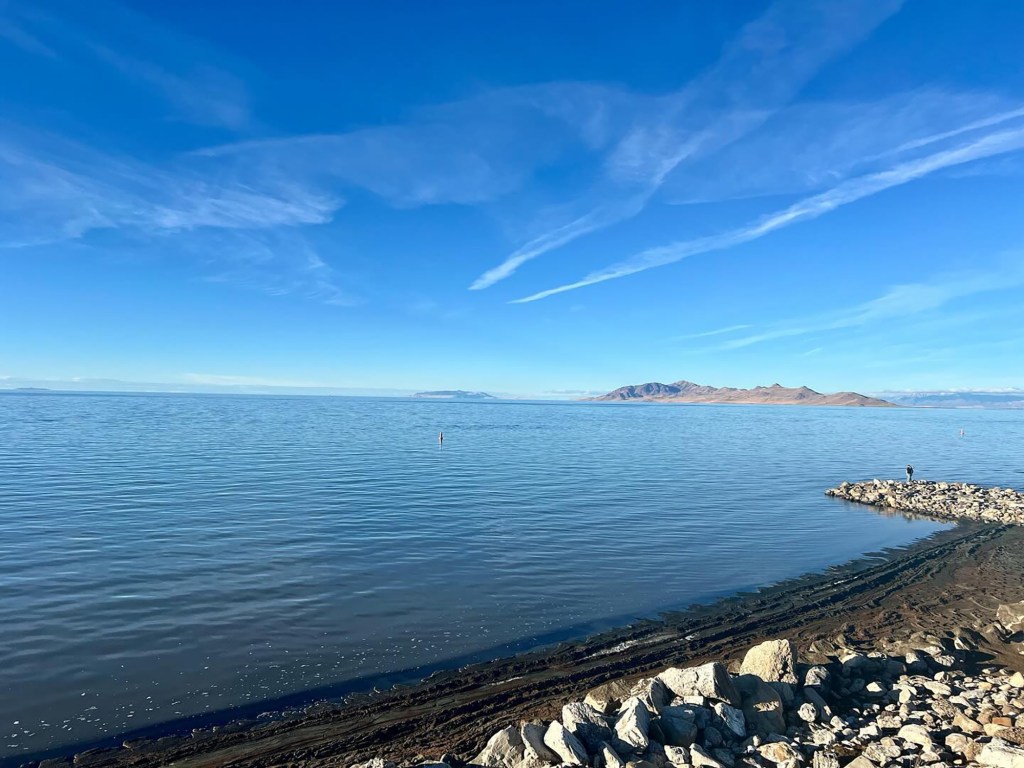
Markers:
910,474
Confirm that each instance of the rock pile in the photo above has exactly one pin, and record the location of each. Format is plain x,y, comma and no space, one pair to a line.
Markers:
953,501
918,707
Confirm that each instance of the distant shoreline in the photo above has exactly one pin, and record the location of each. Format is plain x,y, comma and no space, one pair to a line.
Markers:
1013,405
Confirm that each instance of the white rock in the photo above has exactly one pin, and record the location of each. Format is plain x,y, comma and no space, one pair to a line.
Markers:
609,758
732,718
808,712
702,759
633,724
762,706
1011,616
813,697
678,726
823,737
653,693
536,750
999,754
779,752
916,734
817,677
959,743
565,745
587,724
874,688
772,661
678,756
711,680
505,749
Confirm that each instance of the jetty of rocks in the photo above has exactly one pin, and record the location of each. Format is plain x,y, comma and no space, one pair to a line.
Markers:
915,705
950,501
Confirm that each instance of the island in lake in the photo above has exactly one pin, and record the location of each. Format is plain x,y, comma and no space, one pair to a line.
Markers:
454,394
688,392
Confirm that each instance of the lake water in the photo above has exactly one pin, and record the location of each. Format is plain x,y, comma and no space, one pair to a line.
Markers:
163,556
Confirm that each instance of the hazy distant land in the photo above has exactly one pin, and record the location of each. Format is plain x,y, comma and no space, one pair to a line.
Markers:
1011,398
454,394
688,392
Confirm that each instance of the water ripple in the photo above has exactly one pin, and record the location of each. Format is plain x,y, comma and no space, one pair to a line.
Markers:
162,556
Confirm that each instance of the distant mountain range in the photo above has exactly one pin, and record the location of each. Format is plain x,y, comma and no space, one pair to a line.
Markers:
454,394
688,392
1013,398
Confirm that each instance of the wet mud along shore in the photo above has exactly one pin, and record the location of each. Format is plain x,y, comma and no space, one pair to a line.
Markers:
955,578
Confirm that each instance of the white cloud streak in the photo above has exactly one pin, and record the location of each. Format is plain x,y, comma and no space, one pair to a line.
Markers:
758,73
812,207
715,332
900,301
175,67
63,190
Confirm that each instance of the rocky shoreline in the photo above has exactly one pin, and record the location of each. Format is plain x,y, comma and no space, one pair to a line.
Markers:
909,705
948,501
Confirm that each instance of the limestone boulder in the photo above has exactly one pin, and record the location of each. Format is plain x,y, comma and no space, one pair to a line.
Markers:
1012,735
653,693
710,680
772,661
607,698
678,726
1011,616
536,751
607,757
505,749
1000,754
916,734
731,719
677,756
632,728
818,677
779,752
569,749
762,706
701,758
587,724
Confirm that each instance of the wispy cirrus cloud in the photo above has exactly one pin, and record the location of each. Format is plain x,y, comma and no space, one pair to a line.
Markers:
187,74
987,145
278,262
714,332
246,235
761,71
467,152
812,146
57,189
898,302
13,32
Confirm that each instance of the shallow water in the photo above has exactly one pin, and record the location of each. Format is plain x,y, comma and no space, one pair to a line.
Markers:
168,555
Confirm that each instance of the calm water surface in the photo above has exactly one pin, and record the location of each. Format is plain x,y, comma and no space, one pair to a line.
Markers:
165,556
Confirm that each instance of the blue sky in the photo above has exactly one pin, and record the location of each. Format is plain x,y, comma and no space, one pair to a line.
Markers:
526,198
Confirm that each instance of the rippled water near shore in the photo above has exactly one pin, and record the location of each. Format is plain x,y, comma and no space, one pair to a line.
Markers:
167,555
